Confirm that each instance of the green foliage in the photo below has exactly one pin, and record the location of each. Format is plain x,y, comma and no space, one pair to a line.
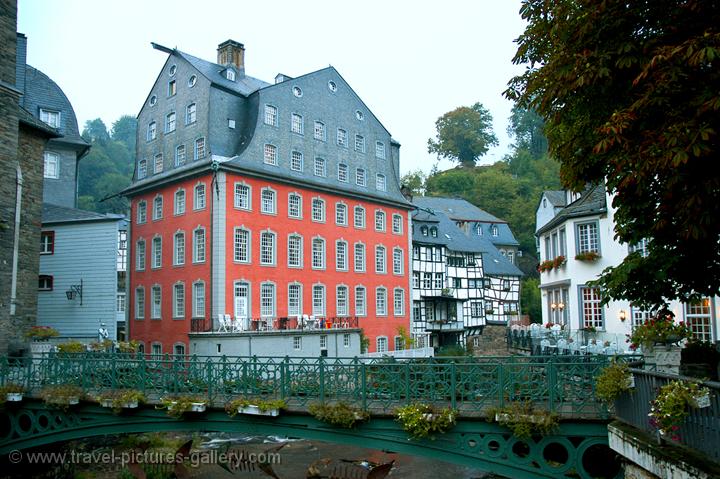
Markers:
128,346
339,414
630,92
10,388
524,419
613,380
660,329
72,347
530,299
108,167
408,342
671,406
178,405
527,127
453,350
415,182
364,342
120,397
422,420
589,256
60,395
464,134
41,332
231,407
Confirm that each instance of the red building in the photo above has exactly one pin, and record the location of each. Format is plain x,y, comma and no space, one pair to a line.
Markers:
276,204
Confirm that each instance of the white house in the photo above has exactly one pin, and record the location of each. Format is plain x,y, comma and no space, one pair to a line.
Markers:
577,241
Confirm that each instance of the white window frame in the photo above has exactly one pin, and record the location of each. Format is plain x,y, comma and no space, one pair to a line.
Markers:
50,117
294,211
320,167
296,160
342,296
341,214
242,245
170,122
140,255
319,300
270,155
199,300
242,198
141,212
142,169
271,115
156,254
179,202
360,301
381,305
296,124
318,253
139,302
319,131
268,201
199,197
380,182
360,177
359,143
341,255
295,251
380,259
397,224
156,302
359,255
179,300
343,170
199,245
268,299
380,221
199,151
190,114
318,210
398,294
295,299
179,248
359,217
52,165
268,248
158,163
398,261
591,310
342,138
380,150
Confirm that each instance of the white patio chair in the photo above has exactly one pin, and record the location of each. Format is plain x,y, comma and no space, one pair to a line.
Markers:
224,320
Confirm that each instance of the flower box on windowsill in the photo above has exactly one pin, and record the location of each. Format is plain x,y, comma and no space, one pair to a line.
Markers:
256,411
587,256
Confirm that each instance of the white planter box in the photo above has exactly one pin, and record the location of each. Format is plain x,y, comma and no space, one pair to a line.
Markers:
14,397
126,405
198,407
38,348
631,381
254,410
702,401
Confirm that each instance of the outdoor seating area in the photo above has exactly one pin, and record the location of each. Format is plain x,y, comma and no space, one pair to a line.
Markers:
227,323
541,340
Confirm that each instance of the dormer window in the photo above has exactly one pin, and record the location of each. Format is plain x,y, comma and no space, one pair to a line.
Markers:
424,230
544,203
478,229
230,74
433,232
52,118
494,230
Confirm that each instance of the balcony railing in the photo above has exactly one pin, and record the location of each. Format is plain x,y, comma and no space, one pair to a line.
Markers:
542,340
701,428
227,324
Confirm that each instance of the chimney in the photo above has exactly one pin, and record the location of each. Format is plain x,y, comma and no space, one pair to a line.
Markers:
20,62
232,53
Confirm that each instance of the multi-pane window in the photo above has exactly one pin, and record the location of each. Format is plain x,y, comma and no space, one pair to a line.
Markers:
297,343
267,300
199,148
379,220
178,300
271,115
640,247
294,299
359,217
45,282
140,255
179,248
343,172
294,205
360,301
427,280
698,318
360,143
319,131
341,256
342,139
170,122
241,245
151,131
267,201
341,214
139,302
591,308
158,163
296,161
380,183
587,238
52,118
270,155
398,261
120,300
380,150
47,242
380,259
199,202
180,155
199,245
242,196
199,300
180,202
319,168
397,224
157,252
439,281
318,210
341,301
158,208
52,161
359,257
399,302
381,302
360,179
267,248
318,253
295,251
190,114
296,123
142,167
318,298
381,344
156,302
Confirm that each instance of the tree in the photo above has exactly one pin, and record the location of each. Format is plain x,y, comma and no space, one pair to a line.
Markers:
415,182
96,132
630,93
123,130
464,134
527,127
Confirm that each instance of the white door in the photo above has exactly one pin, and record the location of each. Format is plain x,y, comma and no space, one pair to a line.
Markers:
242,303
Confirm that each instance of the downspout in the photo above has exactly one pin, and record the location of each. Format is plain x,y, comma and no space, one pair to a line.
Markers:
16,239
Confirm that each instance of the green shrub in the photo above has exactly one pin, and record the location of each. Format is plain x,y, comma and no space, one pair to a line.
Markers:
339,414
422,420
524,420
612,381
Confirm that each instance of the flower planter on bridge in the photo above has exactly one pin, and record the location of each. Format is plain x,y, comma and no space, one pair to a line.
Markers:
14,397
125,405
256,411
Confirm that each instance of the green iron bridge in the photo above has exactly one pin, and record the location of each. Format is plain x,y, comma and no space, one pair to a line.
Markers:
472,386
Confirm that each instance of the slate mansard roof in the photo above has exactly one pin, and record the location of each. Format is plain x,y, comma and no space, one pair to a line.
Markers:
592,202
458,209
243,84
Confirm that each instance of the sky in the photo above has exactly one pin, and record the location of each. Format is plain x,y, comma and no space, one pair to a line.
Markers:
410,61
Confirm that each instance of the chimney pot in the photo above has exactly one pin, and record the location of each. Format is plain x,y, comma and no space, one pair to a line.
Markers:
232,53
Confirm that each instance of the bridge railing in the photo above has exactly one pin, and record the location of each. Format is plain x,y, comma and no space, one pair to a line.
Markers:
470,384
699,431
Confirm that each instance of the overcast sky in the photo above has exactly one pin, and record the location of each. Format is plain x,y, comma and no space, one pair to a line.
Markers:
410,61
